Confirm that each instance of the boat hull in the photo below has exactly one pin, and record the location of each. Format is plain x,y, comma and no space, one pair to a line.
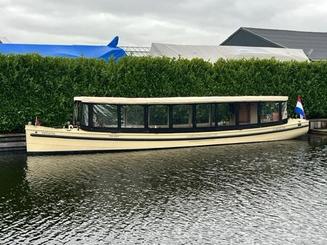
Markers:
50,140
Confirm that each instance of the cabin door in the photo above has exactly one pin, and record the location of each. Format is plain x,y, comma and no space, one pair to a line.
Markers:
244,113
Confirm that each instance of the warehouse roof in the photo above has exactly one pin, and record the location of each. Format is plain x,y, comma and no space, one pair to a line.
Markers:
314,44
213,53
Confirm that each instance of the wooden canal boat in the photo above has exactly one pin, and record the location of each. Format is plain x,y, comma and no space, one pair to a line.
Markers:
119,124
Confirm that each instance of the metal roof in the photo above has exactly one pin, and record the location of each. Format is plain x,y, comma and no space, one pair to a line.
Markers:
314,44
179,100
213,53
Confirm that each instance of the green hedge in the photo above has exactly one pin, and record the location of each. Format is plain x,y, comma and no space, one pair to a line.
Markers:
35,86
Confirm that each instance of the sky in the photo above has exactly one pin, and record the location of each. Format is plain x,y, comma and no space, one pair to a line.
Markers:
141,22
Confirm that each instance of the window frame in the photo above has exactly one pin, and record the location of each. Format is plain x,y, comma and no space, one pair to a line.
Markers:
148,115
170,128
104,127
212,114
270,122
145,120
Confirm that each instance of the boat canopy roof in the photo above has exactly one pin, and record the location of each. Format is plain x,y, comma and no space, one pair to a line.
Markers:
179,100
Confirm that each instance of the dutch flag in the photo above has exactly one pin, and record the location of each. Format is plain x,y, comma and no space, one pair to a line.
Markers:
299,108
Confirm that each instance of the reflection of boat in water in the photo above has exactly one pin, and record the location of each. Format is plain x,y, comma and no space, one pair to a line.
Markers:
115,124
322,131
317,139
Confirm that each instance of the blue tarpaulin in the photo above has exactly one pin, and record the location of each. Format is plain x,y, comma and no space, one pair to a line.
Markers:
111,51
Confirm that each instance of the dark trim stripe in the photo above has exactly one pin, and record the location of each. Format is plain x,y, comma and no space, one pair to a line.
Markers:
158,139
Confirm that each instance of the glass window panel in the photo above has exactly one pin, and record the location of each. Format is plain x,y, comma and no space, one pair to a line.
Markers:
248,113
284,110
85,115
158,116
204,115
105,116
132,116
182,116
225,114
269,112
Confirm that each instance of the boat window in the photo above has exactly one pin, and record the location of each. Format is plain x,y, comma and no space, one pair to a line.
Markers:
85,115
182,116
248,113
158,116
225,114
269,112
132,116
284,110
105,116
205,115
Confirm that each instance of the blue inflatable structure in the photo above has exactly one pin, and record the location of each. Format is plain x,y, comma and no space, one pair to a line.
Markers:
111,51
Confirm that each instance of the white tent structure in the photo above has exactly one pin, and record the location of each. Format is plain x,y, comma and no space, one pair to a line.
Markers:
213,53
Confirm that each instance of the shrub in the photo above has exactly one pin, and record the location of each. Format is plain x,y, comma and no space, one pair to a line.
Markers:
32,85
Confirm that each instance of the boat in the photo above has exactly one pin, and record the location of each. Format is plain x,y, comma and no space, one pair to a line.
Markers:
121,124
318,126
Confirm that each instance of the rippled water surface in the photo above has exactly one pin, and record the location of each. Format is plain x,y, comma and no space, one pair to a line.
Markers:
270,193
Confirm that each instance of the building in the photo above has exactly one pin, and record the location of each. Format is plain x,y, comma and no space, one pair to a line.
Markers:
214,53
136,51
104,52
314,44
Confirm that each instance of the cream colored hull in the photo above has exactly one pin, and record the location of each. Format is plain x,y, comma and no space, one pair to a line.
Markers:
50,140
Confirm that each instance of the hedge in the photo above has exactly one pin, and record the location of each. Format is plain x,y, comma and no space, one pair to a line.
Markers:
41,86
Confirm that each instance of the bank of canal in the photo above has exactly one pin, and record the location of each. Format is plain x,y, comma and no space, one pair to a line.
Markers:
12,142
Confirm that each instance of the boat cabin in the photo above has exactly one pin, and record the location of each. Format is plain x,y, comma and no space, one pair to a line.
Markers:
178,114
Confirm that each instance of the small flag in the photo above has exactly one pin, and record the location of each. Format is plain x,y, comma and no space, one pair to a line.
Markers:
299,108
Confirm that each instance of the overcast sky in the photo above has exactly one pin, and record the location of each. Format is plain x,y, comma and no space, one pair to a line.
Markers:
141,22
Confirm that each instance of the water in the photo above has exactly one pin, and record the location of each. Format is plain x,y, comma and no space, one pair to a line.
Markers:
270,193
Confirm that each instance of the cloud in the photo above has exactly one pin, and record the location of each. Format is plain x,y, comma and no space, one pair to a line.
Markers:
142,22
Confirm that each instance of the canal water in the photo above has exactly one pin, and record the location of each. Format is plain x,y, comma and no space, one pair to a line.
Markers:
269,193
